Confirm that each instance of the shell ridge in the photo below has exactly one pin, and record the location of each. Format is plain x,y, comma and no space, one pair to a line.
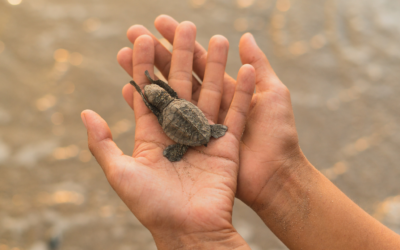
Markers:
169,122
189,121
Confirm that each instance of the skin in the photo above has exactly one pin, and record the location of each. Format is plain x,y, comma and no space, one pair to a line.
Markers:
185,204
303,208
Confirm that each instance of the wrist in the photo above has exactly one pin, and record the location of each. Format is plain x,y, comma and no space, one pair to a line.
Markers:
224,239
304,209
286,188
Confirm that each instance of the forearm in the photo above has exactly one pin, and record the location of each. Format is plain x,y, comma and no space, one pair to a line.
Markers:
306,211
198,241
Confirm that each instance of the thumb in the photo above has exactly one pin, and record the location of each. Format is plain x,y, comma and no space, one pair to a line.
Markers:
100,142
250,53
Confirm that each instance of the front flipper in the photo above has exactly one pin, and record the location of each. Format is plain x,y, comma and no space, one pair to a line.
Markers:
151,107
218,130
175,152
162,85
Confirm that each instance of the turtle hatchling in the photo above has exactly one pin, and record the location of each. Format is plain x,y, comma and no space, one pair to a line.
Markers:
182,121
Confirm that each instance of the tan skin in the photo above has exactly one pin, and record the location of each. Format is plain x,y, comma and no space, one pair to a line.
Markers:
303,208
185,204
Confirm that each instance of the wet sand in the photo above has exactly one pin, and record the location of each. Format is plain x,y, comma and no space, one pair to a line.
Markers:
340,60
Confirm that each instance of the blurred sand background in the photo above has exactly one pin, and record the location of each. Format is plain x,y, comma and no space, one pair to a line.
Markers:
339,58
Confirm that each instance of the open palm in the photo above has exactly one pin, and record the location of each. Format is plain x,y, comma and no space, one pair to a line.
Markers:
196,194
270,138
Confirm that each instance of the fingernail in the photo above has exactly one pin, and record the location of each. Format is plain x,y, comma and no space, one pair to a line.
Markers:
84,119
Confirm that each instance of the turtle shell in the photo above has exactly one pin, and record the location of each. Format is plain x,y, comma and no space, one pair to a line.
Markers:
184,123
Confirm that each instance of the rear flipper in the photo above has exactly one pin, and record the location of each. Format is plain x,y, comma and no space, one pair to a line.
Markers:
175,152
218,130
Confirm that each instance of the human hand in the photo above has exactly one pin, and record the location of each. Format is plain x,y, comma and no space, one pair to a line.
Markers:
302,207
186,203
269,143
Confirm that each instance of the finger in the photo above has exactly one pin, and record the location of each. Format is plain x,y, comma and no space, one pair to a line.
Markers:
166,25
180,75
124,58
250,53
100,141
142,60
227,96
212,87
127,93
162,58
236,117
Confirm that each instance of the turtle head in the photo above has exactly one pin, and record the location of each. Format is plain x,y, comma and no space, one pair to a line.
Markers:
157,96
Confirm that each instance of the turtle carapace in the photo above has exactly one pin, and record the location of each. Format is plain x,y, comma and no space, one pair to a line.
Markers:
182,121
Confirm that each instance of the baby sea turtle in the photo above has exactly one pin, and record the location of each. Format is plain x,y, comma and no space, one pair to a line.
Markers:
182,121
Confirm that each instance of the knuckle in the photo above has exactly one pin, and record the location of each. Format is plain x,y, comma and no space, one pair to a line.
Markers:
284,90
239,110
112,173
281,89
213,86
91,148
181,75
